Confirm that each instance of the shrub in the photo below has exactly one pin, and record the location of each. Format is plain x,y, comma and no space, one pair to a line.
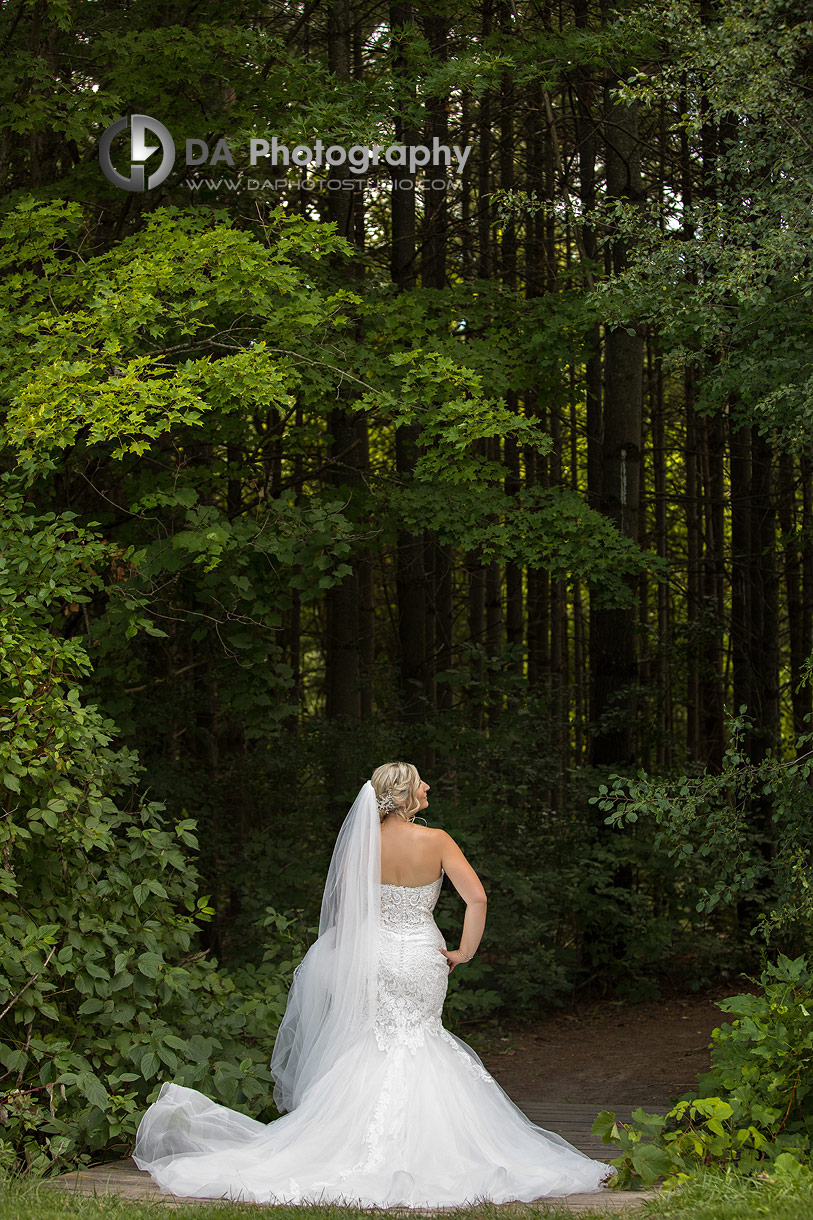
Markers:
741,836
102,991
754,1105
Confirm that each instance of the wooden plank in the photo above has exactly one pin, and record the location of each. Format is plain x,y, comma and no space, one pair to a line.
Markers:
123,1179
572,1121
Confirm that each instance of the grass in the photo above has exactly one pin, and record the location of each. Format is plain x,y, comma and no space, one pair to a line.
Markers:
22,1200
719,1196
712,1196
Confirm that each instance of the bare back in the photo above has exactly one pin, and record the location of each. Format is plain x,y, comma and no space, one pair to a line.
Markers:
410,854
413,855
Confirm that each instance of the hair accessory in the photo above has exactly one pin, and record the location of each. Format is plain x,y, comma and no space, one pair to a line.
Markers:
386,803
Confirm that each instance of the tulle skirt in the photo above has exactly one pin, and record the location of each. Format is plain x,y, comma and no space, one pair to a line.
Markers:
416,1125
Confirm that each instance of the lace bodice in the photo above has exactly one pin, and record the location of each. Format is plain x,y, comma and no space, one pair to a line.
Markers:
412,974
409,906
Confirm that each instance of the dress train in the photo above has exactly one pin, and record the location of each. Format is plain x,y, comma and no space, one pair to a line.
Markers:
408,1115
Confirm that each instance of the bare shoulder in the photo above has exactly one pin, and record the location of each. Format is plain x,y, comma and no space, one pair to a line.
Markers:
458,869
444,839
430,837
440,838
449,849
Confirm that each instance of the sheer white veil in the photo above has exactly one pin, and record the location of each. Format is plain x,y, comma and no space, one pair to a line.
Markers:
333,994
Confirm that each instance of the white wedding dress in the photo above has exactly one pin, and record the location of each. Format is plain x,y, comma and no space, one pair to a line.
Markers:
407,1115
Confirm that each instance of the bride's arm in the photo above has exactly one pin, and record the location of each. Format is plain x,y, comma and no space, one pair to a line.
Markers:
470,888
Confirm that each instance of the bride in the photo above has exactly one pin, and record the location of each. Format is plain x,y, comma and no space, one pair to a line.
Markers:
385,1106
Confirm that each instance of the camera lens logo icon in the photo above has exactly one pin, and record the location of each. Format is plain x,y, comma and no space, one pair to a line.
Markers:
140,124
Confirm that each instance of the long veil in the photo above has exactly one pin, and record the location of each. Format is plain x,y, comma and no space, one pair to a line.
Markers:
333,994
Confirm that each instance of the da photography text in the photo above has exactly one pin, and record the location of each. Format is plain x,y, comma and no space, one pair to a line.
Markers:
242,182
355,159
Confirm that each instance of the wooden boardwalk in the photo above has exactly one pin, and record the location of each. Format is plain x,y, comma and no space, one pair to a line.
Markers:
573,1122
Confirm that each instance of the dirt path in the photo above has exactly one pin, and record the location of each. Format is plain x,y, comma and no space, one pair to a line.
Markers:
645,1053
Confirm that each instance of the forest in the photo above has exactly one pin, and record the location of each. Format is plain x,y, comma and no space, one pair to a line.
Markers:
497,458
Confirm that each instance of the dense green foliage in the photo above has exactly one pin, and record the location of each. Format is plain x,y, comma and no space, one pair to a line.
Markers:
103,988
723,276
707,823
753,1108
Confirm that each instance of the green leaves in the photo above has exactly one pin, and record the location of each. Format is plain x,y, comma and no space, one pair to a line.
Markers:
149,1065
100,895
721,278
149,964
134,347
754,1106
650,1163
604,1125
703,822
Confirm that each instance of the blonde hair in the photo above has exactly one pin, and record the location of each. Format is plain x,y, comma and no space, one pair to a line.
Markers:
399,781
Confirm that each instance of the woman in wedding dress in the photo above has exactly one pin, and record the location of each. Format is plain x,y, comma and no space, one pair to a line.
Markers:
385,1106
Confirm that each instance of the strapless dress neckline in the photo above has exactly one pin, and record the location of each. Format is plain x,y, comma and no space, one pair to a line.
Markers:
393,886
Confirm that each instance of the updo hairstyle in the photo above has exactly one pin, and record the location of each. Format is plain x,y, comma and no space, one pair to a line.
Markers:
396,788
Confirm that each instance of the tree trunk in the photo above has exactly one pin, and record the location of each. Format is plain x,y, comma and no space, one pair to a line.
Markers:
444,620
402,246
664,636
764,601
342,662
410,574
739,440
435,223
484,167
613,653
477,630
711,679
806,626
788,521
